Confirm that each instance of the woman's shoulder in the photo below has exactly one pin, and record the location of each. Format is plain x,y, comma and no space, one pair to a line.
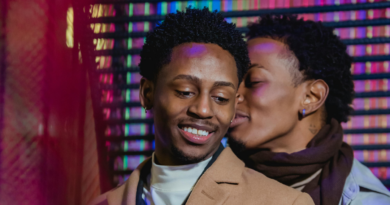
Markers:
362,187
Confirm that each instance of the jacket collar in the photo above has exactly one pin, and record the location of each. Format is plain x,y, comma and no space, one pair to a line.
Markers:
227,169
361,176
211,187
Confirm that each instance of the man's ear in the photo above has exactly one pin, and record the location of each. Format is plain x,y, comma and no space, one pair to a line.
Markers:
315,96
146,90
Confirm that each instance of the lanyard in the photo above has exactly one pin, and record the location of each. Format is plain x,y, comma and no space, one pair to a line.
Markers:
145,171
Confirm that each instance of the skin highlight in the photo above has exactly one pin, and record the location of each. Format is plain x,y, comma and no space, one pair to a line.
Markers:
271,102
198,87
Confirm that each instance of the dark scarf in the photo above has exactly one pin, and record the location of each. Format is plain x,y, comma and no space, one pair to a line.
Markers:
325,151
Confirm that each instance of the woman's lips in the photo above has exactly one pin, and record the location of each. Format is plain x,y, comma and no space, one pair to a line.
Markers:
239,119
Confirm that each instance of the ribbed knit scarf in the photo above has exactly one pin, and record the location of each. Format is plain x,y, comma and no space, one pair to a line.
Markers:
325,151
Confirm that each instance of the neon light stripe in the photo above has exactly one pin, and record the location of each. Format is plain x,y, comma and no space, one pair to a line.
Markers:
128,94
129,43
147,9
172,7
128,78
127,113
126,131
178,6
146,26
131,8
126,146
164,8
128,62
159,8
125,158
143,114
210,5
130,27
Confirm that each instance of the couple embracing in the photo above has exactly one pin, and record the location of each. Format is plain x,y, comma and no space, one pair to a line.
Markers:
280,97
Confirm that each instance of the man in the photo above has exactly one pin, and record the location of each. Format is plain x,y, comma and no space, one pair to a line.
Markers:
191,66
291,104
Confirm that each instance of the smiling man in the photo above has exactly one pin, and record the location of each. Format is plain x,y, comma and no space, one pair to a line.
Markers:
191,65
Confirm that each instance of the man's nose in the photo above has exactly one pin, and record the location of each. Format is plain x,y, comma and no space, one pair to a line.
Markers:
202,107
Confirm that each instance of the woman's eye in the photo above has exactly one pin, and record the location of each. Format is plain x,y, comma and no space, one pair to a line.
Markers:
221,100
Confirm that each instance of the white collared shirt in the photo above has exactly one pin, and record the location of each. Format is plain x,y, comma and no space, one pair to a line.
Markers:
172,184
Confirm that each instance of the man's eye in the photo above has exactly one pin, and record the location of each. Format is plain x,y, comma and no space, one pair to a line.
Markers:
183,94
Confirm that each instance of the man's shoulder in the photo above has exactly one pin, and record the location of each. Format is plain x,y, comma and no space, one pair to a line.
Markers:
127,188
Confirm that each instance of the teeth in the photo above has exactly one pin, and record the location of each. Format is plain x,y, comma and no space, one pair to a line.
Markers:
196,131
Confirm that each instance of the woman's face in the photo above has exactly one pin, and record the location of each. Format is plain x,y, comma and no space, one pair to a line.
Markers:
269,104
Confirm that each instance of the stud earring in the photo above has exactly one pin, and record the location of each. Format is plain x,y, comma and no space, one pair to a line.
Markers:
303,112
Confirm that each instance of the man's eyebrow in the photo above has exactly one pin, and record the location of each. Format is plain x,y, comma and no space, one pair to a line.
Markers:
224,83
187,77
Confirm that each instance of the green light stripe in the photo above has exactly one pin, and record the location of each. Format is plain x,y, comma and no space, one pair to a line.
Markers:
129,43
179,6
128,78
130,27
143,114
127,113
126,146
210,5
147,9
131,9
164,7
125,162
127,130
129,59
146,26
128,94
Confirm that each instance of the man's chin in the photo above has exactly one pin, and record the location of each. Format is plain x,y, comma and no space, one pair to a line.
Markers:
187,158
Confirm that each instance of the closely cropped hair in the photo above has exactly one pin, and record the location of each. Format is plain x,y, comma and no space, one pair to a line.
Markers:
320,53
193,25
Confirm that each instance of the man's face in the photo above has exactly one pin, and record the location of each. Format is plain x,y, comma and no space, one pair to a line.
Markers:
270,100
194,101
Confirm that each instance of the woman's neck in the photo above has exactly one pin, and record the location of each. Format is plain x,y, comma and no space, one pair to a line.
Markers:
297,138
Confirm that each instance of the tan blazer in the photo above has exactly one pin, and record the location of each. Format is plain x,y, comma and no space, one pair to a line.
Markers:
227,181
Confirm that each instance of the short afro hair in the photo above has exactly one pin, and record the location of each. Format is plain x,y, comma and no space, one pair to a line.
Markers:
193,25
320,53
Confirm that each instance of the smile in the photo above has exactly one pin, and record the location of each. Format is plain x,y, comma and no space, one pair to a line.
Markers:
196,134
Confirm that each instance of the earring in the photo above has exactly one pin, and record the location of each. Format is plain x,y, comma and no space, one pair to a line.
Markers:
303,112
146,111
231,121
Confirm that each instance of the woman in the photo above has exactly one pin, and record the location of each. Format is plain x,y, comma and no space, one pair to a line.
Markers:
291,103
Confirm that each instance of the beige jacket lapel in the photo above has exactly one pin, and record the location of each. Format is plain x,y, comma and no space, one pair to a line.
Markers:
128,191
214,187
